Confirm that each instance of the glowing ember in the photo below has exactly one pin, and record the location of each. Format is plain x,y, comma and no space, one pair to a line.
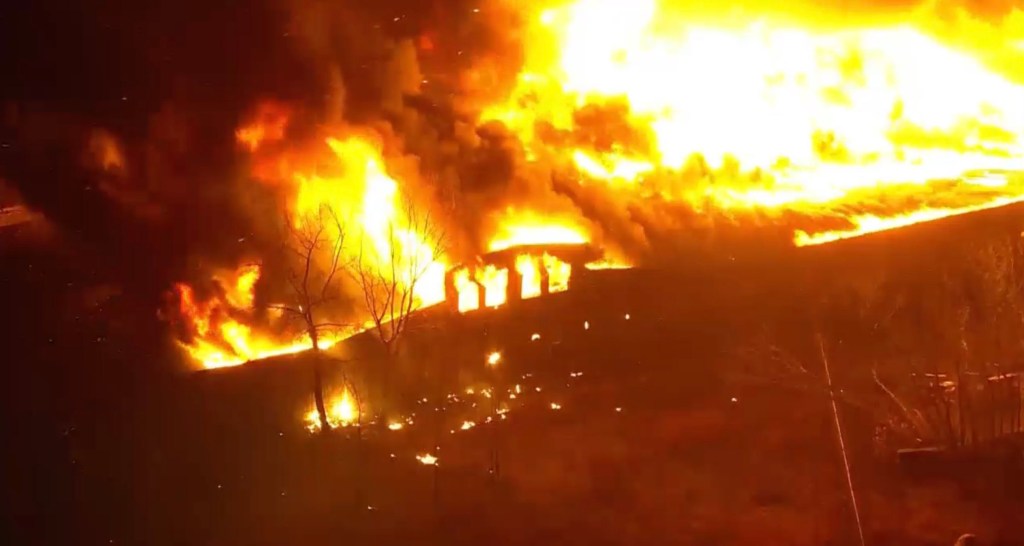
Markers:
534,337
494,358
466,425
427,459
556,406
394,425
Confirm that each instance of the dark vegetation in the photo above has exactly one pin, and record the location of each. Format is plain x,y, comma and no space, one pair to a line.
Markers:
703,418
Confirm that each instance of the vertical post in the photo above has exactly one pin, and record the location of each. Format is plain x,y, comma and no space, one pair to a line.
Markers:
451,295
481,295
514,289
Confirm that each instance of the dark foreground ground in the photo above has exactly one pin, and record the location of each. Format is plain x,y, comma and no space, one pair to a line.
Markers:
650,440
618,463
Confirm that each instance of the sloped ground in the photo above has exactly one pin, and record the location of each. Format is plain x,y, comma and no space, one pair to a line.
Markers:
110,452
642,447
764,469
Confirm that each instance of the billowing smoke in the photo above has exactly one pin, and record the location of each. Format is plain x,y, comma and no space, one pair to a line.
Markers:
122,125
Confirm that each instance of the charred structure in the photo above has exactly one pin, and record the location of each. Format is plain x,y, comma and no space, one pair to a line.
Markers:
525,274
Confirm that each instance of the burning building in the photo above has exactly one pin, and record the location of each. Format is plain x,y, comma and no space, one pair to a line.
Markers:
434,149
513,274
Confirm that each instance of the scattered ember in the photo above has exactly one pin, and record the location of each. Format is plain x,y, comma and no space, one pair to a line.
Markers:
494,358
427,459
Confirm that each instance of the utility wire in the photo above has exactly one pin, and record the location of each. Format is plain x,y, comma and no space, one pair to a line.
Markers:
842,442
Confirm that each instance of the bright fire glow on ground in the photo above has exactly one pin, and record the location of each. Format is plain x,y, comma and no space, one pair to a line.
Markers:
427,459
342,411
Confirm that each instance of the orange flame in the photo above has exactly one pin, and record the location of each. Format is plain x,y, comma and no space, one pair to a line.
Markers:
342,411
755,115
383,230
351,179
219,331
468,291
528,269
558,273
269,125
494,280
537,275
527,228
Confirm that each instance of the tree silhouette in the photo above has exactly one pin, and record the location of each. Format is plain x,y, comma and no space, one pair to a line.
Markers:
389,282
313,245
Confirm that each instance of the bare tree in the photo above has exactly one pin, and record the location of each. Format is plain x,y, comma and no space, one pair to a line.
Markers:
313,246
389,282
934,359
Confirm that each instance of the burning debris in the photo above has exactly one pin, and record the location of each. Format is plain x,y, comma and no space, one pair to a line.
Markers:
341,412
493,358
427,459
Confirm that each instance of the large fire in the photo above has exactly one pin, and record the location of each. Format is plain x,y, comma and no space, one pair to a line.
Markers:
220,330
874,127
830,130
383,231
383,234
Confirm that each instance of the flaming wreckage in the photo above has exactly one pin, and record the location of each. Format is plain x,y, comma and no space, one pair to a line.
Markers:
625,125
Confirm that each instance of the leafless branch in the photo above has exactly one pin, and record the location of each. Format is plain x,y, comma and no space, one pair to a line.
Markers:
389,283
